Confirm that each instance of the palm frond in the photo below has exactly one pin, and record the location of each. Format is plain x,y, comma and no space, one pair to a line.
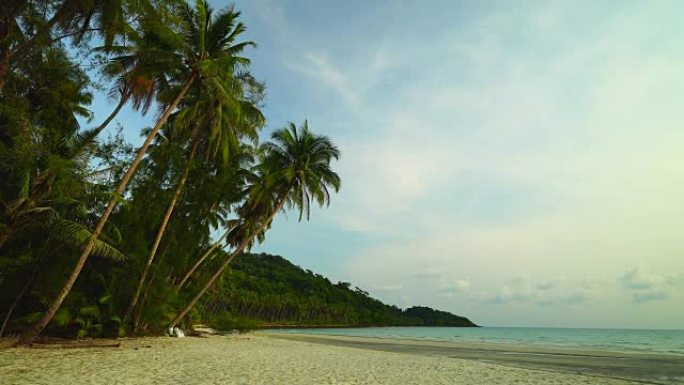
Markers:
77,235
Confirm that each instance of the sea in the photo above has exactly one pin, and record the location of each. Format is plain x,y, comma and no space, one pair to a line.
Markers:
622,340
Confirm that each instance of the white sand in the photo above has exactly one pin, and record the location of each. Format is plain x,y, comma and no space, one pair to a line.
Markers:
256,359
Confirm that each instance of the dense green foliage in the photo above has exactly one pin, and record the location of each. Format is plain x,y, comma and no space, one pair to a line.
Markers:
432,317
272,290
146,215
100,238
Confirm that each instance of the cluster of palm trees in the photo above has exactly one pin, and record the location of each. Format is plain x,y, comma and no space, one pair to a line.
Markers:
200,168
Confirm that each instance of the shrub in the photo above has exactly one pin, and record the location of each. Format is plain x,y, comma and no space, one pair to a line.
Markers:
226,323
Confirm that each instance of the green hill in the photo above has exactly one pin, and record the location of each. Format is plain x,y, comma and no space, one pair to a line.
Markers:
273,291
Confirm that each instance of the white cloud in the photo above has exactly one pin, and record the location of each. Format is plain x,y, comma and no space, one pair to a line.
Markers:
462,284
638,278
428,274
646,286
513,144
390,288
650,295
448,285
545,285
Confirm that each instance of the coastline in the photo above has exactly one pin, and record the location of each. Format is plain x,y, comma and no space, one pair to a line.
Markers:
651,368
270,358
286,326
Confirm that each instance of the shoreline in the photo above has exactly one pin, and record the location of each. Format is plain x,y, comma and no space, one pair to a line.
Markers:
268,358
651,368
490,345
278,326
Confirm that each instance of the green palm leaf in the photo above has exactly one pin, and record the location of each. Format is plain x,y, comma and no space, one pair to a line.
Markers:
77,235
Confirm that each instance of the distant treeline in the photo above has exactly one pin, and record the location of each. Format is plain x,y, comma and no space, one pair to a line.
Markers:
270,289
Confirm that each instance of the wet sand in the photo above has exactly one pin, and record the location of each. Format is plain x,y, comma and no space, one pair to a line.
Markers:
645,368
263,358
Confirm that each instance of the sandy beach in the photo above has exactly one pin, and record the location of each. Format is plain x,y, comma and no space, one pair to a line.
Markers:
262,358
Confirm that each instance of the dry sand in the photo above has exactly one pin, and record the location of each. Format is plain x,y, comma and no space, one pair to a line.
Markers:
258,359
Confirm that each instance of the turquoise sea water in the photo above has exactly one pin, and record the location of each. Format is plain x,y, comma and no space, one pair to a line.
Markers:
645,341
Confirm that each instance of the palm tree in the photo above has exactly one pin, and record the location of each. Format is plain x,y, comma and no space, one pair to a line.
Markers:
133,81
182,55
296,171
131,85
203,258
216,115
238,181
40,210
46,145
22,29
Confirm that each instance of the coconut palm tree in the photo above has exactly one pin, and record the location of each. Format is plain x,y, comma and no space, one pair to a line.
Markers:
295,170
133,80
238,182
216,117
24,25
131,85
209,252
181,53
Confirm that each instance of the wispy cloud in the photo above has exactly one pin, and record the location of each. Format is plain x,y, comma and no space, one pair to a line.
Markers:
514,143
638,278
321,69
647,286
650,295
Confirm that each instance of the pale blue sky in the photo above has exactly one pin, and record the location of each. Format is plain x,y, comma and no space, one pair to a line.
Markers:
519,163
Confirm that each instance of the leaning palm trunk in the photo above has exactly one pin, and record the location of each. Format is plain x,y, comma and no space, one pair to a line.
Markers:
4,236
4,68
122,102
57,302
16,301
161,231
143,297
200,261
223,267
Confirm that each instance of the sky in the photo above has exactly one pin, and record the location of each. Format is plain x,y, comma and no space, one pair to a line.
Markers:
518,163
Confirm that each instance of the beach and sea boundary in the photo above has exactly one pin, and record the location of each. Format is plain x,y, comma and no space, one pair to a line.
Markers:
272,358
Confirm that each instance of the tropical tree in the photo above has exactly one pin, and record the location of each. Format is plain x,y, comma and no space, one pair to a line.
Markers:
178,52
208,253
295,170
215,116
229,225
25,25
44,162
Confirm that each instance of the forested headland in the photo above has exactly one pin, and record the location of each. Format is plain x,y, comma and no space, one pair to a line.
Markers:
268,290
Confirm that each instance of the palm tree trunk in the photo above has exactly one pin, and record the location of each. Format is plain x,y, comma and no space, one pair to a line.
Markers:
4,68
57,302
122,102
7,23
161,231
16,301
143,297
209,283
4,236
201,260
223,267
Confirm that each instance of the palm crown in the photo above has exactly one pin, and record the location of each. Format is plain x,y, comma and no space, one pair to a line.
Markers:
299,162
295,170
